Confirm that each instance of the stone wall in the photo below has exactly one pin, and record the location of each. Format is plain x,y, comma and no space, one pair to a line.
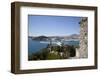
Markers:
83,50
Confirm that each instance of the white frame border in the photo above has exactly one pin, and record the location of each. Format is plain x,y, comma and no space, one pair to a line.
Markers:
25,64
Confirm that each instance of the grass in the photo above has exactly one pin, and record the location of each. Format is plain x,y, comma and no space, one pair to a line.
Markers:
53,56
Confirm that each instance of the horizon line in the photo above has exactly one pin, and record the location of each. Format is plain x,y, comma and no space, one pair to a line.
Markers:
54,35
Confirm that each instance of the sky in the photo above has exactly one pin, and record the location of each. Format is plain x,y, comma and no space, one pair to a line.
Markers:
39,25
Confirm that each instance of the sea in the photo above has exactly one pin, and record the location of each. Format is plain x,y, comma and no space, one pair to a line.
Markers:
35,46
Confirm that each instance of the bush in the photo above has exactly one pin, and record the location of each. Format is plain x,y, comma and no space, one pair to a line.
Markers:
53,56
44,54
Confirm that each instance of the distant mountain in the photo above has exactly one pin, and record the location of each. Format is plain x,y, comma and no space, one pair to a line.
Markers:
40,38
74,36
45,38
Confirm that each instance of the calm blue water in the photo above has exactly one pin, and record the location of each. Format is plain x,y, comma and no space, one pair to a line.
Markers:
34,46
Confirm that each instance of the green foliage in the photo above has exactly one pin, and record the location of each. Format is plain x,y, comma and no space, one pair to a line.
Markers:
45,54
72,51
53,56
41,55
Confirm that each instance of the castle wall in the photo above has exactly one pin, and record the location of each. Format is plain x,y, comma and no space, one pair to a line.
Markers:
83,50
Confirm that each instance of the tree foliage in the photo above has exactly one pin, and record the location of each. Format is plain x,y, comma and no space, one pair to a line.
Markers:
56,52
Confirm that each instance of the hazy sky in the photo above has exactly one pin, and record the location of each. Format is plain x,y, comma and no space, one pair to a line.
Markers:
53,25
